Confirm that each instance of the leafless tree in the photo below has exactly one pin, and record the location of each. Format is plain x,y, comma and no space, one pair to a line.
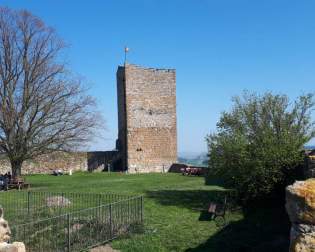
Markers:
43,108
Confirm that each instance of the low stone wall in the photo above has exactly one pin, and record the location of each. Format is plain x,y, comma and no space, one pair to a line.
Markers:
76,161
300,205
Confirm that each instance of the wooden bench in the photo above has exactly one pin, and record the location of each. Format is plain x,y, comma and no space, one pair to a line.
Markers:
18,183
216,209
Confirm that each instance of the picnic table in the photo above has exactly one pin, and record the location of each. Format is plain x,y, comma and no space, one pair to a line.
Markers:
18,183
192,171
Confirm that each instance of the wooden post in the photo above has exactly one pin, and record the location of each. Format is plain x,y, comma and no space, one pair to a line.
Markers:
110,222
69,238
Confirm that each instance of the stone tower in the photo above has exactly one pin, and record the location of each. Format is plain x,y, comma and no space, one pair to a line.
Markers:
147,135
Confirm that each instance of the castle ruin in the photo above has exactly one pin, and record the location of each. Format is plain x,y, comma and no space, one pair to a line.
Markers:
147,135
147,132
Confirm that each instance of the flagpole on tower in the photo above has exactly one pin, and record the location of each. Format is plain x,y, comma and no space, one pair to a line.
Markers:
126,51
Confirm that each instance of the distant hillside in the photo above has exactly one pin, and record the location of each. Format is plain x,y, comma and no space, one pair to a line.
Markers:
198,159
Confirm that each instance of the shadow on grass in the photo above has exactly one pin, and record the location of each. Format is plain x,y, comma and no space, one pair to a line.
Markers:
187,198
265,227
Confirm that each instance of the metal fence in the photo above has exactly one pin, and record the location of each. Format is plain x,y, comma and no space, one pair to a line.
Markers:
47,221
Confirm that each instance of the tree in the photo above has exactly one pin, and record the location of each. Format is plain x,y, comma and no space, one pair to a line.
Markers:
43,108
260,142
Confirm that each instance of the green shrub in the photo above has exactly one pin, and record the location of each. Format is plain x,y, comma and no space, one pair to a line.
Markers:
259,143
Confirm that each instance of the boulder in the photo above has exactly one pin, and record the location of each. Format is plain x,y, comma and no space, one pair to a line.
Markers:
74,228
105,248
300,205
300,202
14,247
302,238
57,201
5,236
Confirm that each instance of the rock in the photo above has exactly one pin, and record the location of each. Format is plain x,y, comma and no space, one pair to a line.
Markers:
5,236
14,247
302,238
300,202
105,248
74,228
300,205
57,201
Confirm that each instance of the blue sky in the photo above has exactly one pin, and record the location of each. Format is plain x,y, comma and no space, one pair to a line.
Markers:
218,48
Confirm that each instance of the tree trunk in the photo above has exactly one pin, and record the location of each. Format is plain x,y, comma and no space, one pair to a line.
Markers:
16,167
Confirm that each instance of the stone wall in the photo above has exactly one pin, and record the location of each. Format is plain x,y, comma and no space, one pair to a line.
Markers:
300,205
77,161
147,136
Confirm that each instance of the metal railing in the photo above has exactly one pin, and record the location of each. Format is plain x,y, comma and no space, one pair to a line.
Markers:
70,221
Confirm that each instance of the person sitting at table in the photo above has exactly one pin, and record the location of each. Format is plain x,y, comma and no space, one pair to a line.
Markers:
2,182
9,176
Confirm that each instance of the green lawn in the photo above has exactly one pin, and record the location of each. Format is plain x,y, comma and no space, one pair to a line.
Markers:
171,223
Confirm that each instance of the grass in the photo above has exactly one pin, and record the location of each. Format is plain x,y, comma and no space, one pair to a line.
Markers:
171,223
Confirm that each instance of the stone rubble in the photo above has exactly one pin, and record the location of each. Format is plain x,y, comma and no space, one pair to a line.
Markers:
300,205
57,201
105,248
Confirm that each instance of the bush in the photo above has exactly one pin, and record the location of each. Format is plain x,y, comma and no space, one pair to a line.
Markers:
259,143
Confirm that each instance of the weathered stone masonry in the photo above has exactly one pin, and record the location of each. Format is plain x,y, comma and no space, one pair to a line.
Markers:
76,161
65,161
147,137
